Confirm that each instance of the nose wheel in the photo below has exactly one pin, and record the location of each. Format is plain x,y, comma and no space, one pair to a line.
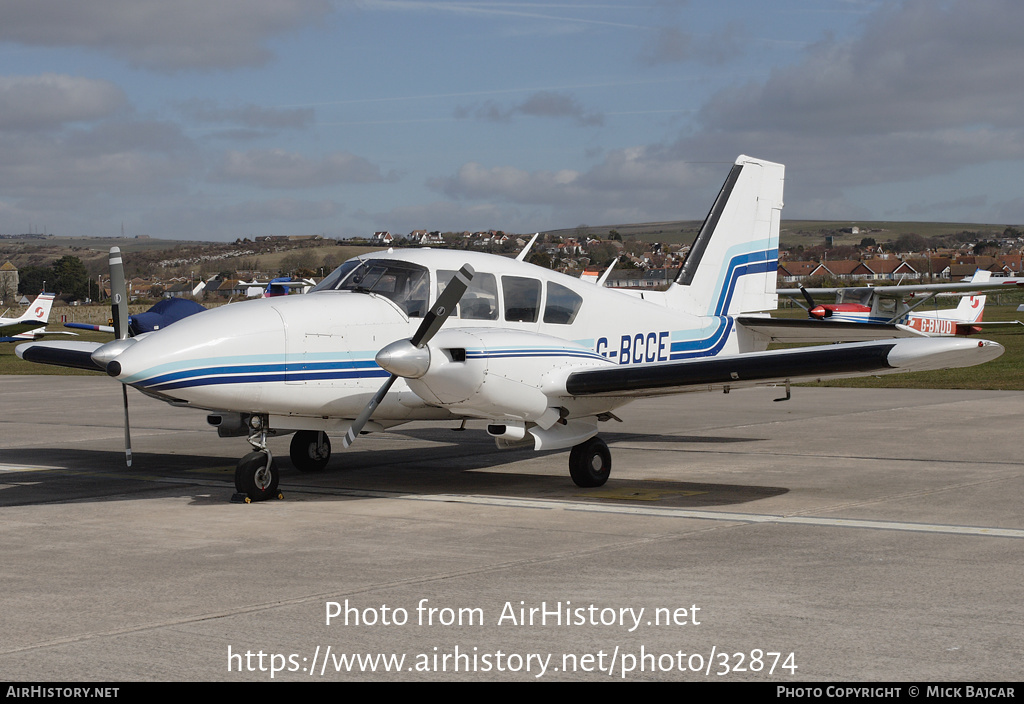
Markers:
590,463
257,476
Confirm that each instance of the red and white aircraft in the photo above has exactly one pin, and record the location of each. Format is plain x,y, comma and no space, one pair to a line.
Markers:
30,324
898,305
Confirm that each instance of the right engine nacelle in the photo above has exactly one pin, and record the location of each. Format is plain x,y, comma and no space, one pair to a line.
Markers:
499,374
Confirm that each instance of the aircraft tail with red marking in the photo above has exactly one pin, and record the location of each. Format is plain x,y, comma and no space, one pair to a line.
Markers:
971,308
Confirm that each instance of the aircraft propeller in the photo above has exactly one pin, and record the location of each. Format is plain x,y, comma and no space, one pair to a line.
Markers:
410,358
813,309
119,311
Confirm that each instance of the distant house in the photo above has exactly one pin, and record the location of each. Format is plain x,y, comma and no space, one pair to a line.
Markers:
432,238
181,290
795,272
646,279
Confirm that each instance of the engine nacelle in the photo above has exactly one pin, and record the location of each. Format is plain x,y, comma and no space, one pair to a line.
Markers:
500,374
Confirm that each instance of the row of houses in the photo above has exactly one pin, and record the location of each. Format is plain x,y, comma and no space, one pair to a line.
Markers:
910,269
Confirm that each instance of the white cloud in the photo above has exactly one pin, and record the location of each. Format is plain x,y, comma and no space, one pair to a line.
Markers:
161,35
277,168
113,159
256,117
49,101
544,103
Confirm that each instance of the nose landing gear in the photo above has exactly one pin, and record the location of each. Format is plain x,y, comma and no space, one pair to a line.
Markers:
256,475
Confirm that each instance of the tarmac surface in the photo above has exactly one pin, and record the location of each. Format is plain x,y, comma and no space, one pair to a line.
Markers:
845,535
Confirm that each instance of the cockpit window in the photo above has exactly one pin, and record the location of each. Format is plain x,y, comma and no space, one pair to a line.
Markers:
406,284
331,281
562,304
854,295
480,301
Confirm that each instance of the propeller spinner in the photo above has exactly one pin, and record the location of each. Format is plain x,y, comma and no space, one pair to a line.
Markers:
813,309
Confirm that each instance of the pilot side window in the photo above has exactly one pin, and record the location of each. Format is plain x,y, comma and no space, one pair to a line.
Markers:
562,304
479,302
522,299
403,282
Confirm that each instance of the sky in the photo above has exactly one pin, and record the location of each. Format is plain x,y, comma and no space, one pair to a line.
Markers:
205,120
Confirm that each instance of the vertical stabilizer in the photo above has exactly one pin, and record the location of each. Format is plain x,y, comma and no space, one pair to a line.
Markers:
38,310
971,308
733,264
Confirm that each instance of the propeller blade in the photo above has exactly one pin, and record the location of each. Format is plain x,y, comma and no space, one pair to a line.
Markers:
443,306
808,298
118,294
127,433
360,421
432,322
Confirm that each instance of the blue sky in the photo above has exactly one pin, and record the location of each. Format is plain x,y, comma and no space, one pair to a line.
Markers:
216,120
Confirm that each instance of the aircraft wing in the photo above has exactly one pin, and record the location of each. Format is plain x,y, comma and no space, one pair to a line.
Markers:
803,330
87,326
777,366
61,354
12,329
904,290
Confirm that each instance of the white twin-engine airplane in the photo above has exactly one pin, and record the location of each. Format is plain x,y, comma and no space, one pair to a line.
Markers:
542,357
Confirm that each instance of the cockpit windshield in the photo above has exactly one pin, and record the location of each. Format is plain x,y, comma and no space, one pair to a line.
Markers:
406,284
854,295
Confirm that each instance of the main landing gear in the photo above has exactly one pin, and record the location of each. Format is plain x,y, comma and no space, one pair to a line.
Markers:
590,463
310,450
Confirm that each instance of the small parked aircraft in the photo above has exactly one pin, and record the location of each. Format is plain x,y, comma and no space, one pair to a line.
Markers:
165,312
31,324
541,357
281,286
898,305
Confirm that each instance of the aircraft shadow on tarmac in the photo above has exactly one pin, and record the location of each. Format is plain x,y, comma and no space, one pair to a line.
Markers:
456,463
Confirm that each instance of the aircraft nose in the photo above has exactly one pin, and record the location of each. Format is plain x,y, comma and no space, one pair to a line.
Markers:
819,312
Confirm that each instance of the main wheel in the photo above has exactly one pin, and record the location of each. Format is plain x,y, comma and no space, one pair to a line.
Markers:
590,463
307,451
257,477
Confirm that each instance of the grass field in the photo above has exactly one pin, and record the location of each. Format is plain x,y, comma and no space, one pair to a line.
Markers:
1005,373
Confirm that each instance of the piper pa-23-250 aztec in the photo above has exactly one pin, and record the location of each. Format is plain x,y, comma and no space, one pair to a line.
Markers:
543,358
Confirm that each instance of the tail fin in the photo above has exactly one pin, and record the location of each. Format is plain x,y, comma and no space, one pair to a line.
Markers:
971,308
39,310
733,264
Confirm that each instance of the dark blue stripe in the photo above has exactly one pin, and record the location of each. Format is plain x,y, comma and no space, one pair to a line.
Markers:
264,378
288,369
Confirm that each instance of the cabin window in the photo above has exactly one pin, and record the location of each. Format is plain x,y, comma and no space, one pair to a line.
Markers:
522,298
479,302
562,305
